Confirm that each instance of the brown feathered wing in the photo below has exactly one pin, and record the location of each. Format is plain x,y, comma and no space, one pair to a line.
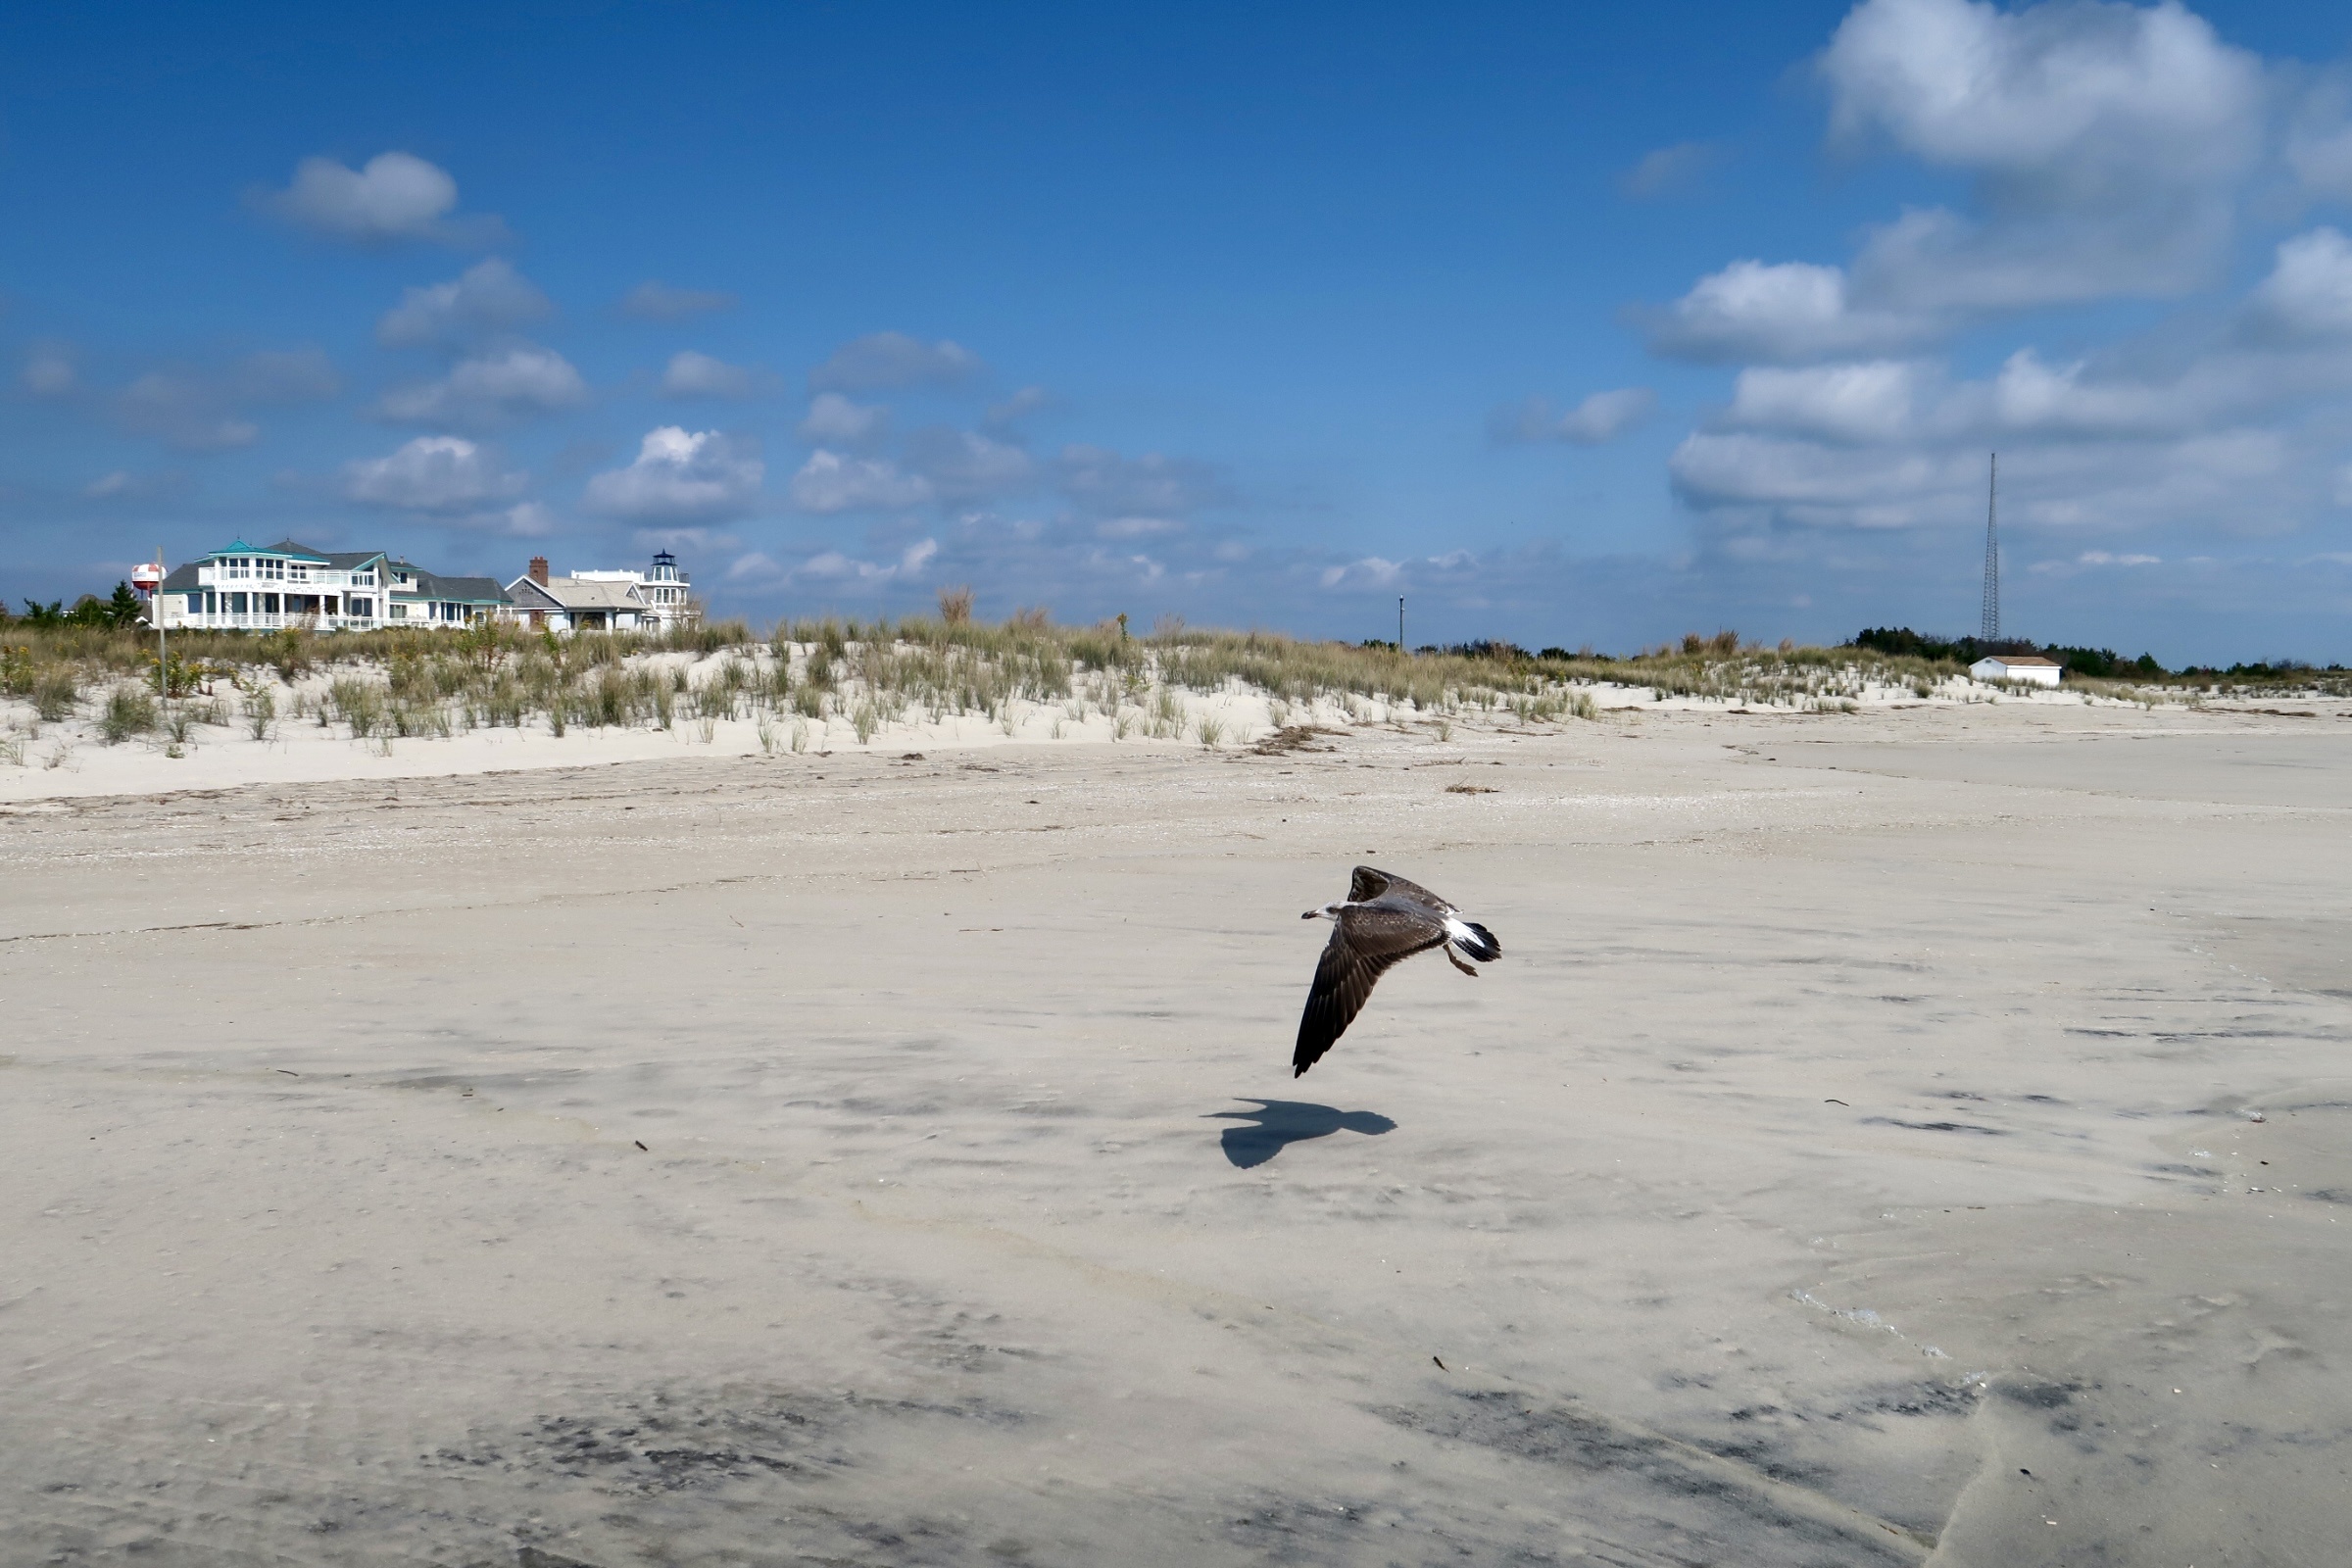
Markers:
1363,944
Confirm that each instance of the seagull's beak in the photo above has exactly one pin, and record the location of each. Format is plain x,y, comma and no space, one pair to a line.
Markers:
1310,914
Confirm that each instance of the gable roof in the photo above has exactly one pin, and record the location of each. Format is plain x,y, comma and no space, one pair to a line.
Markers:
2020,660
569,592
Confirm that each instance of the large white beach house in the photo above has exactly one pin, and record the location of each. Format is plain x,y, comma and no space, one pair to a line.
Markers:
244,587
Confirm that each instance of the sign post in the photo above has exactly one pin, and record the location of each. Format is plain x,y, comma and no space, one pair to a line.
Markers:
149,580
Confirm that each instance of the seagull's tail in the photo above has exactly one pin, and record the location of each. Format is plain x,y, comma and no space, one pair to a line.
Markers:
1474,939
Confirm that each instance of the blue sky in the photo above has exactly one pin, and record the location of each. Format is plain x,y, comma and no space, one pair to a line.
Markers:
1571,324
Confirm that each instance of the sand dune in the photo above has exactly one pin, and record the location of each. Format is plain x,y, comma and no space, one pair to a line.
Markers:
1905,1137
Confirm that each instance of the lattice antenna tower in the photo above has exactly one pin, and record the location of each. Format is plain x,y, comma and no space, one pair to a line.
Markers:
1991,630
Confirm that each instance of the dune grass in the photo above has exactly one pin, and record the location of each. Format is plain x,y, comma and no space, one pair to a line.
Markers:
809,673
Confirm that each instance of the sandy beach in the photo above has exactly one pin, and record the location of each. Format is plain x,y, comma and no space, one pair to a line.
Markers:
1918,1135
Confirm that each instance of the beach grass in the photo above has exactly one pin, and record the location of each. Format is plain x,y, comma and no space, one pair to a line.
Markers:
926,669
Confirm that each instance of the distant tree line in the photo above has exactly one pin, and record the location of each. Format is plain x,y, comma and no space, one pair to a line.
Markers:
2102,662
121,609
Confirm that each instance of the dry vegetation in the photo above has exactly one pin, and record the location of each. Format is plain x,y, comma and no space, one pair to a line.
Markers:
812,677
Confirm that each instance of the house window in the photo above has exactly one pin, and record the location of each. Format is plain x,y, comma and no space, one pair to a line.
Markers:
269,567
363,606
238,566
400,612
297,572
362,579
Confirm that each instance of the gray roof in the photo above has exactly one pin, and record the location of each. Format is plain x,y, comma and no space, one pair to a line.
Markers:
572,594
432,585
181,578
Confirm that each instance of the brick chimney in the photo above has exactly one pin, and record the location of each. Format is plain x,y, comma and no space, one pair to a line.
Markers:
539,571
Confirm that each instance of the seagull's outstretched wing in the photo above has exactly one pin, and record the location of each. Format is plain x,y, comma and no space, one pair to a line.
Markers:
1363,944
1368,884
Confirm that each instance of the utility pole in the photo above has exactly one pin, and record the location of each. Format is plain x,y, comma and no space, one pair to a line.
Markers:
1400,624
1990,631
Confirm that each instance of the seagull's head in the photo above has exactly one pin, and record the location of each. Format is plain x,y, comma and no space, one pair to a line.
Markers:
1327,911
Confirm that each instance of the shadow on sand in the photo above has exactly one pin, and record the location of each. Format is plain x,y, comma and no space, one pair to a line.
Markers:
1278,1123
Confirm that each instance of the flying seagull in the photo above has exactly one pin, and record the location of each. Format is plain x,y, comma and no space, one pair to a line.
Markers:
1383,920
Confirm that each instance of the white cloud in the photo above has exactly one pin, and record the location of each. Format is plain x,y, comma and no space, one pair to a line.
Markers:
836,422
1600,418
2107,140
1372,571
1789,311
831,482
656,301
755,570
395,196
496,389
2107,146
680,476
431,473
530,519
1137,527
690,375
1665,171
2308,292
881,360
1008,412
489,296
49,371
1103,484
833,565
204,409
1605,416
961,465
1867,402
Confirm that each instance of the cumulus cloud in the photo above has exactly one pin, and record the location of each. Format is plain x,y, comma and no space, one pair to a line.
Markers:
832,483
1102,483
1136,527
961,465
656,301
681,477
2107,146
2308,293
489,296
432,473
833,565
1786,310
691,374
200,409
394,196
120,484
886,360
1007,411
500,387
2108,143
50,370
1599,419
1372,571
834,421
1665,171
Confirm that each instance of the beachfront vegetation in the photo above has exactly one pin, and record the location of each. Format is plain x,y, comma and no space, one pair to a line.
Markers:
827,676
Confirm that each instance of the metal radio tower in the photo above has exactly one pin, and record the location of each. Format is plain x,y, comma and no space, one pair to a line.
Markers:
1991,630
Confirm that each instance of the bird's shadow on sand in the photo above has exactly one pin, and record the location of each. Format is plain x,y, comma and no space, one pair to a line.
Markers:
1280,1123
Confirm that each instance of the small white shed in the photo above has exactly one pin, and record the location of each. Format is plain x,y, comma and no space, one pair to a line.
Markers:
2030,668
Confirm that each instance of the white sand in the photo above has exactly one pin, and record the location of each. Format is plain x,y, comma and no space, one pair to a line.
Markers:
1851,1156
